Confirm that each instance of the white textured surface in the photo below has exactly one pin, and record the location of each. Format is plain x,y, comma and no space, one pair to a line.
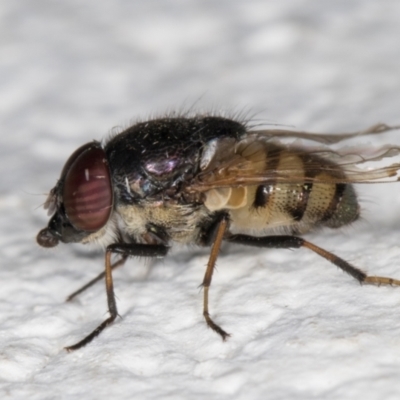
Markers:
69,72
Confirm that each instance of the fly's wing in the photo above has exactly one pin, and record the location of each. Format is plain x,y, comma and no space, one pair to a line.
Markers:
257,160
325,138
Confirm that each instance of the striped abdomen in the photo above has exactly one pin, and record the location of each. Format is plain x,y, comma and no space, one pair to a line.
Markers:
315,198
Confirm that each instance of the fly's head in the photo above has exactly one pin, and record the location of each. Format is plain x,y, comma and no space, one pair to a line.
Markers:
81,203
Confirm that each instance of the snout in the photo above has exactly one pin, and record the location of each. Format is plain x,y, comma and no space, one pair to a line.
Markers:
46,238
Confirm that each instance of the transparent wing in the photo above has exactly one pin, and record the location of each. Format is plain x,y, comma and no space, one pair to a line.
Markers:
257,160
325,138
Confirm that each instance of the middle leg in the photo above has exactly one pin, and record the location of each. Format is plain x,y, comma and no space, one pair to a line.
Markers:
219,235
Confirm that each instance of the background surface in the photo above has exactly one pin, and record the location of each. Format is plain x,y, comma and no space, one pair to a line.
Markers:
69,73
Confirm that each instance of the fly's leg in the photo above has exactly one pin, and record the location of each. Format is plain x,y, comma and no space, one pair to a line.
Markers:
219,235
99,277
126,250
286,242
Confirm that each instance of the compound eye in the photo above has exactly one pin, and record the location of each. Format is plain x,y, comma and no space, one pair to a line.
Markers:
87,191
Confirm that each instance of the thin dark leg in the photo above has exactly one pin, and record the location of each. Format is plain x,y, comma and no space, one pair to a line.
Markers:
126,250
208,276
99,277
296,242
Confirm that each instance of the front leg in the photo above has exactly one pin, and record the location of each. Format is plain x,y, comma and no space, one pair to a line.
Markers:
99,277
125,249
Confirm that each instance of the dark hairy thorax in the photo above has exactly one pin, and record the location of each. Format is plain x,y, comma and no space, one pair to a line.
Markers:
154,160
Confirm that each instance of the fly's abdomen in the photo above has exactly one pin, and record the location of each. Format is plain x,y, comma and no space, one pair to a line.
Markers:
343,207
315,198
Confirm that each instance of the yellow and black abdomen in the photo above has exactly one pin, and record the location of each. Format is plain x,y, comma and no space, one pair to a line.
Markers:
317,197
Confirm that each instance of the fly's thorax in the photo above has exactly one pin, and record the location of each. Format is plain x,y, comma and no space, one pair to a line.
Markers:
156,159
170,222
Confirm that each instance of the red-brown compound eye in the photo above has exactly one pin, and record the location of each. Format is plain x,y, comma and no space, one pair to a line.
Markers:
87,192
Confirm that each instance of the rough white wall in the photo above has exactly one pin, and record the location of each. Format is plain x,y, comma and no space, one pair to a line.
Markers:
301,329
